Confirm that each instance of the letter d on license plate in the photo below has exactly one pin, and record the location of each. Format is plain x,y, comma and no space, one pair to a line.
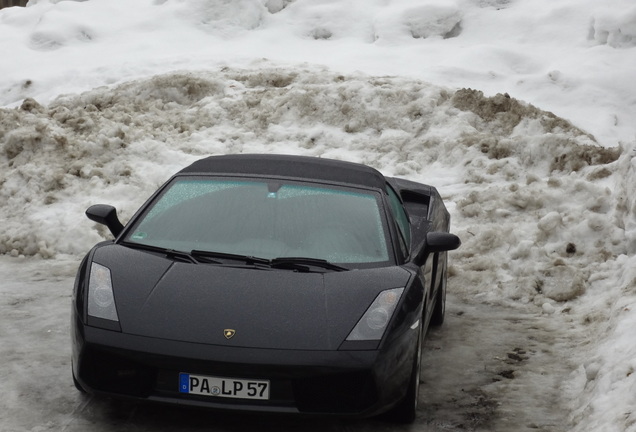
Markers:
223,387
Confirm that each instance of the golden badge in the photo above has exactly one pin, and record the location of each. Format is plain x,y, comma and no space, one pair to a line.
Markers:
229,333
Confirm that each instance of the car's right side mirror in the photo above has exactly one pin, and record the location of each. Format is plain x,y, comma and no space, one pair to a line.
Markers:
442,241
436,241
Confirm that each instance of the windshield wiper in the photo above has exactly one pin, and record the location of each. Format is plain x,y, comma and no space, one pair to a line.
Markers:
250,260
303,264
300,264
170,253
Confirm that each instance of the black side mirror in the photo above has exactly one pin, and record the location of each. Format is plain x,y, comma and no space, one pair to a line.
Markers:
442,242
105,215
436,242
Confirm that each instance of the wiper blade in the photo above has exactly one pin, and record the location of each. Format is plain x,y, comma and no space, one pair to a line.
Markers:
251,260
304,263
170,253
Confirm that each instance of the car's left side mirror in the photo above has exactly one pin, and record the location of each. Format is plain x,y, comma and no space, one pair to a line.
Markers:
436,242
105,215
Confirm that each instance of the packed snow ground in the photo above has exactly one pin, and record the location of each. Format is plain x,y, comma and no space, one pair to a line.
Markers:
105,99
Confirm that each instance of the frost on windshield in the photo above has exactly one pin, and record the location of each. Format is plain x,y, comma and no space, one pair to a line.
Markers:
266,219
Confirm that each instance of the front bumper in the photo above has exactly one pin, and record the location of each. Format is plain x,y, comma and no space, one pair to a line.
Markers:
352,383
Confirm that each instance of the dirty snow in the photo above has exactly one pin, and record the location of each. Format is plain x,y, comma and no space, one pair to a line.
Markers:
520,112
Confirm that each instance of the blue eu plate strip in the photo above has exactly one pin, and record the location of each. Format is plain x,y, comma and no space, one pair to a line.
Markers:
184,383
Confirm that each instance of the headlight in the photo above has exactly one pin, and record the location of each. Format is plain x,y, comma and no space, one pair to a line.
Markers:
374,321
101,300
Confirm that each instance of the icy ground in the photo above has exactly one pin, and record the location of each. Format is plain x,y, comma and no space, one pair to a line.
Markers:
103,106
497,384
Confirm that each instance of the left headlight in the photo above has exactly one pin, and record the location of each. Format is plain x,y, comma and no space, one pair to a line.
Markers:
375,320
101,300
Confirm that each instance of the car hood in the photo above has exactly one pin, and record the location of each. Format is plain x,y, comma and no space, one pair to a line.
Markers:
275,309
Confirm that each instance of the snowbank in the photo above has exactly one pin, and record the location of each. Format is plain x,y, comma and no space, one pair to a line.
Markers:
119,144
570,57
615,27
603,389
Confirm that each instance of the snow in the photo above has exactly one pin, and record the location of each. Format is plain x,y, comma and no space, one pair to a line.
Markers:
520,112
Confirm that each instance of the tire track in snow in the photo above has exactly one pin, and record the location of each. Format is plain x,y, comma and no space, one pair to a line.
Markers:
496,368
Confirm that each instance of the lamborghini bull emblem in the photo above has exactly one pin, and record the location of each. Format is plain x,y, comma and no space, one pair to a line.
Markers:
229,333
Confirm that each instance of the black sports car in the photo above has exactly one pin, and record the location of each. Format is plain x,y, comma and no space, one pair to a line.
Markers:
266,283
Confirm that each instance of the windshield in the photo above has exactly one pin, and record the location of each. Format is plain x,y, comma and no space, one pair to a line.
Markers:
268,219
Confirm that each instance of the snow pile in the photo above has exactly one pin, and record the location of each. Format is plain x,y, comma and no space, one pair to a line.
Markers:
560,56
122,143
606,380
616,28
603,387
431,20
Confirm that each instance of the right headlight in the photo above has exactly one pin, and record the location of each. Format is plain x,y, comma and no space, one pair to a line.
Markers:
101,300
375,320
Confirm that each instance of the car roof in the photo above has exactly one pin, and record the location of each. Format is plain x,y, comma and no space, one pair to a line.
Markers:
297,167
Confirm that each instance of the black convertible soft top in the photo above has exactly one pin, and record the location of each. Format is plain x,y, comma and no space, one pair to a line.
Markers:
299,167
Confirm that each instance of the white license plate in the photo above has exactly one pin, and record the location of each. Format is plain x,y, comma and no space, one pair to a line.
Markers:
223,387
